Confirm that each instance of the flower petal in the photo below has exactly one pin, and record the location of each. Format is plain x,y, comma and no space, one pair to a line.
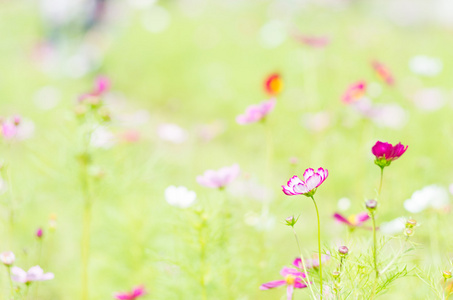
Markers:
272,284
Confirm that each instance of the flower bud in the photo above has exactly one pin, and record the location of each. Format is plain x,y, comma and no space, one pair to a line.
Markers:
17,120
446,274
39,233
52,222
336,274
408,232
7,258
343,250
371,204
291,221
80,110
104,113
411,223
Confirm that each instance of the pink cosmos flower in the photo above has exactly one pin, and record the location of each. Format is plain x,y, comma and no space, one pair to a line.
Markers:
313,180
134,294
101,86
255,113
39,233
354,92
386,153
293,279
354,220
311,262
383,72
9,130
220,178
33,274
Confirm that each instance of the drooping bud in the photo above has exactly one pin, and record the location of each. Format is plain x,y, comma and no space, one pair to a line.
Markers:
343,250
371,204
7,258
446,274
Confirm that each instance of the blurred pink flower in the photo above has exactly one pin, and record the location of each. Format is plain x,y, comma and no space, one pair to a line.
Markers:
354,220
9,129
16,128
219,178
383,72
386,153
313,180
293,279
33,274
130,136
101,86
354,92
255,113
311,262
39,233
134,294
313,41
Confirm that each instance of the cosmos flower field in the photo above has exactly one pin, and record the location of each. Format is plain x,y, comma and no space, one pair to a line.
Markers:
196,149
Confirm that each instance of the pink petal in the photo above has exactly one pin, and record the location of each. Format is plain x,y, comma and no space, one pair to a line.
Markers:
289,291
272,284
342,219
301,189
313,182
308,173
362,217
290,271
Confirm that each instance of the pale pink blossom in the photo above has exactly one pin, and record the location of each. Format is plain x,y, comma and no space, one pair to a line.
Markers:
33,274
311,263
312,180
219,178
101,86
255,113
7,258
172,133
352,221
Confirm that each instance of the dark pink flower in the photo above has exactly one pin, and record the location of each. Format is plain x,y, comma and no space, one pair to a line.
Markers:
311,262
134,294
255,113
219,178
354,92
383,72
354,220
386,153
39,233
312,180
292,279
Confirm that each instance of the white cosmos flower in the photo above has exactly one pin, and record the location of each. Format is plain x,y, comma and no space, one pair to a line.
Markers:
393,227
102,137
425,65
343,204
172,133
180,196
434,196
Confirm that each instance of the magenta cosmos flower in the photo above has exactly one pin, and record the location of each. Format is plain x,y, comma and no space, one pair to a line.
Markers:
354,220
386,153
293,279
255,113
134,294
219,178
308,186
354,92
33,274
311,262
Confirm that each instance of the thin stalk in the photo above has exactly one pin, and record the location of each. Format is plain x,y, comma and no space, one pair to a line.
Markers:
10,281
303,264
86,230
374,246
319,246
202,243
380,183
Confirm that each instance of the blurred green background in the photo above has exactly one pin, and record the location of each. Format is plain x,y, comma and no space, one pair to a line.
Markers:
199,64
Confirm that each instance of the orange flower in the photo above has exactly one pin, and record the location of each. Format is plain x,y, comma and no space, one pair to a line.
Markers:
273,84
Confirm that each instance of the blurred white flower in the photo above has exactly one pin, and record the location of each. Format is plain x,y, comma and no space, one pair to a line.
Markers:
425,65
344,204
429,99
172,133
390,115
261,222
392,227
102,137
450,187
273,34
434,196
180,196
47,97
317,122
156,19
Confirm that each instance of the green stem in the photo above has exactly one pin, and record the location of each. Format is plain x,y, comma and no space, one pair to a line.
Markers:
380,184
86,230
319,246
202,243
374,245
10,281
304,268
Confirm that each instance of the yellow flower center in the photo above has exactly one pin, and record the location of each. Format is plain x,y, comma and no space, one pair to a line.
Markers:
353,219
290,279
